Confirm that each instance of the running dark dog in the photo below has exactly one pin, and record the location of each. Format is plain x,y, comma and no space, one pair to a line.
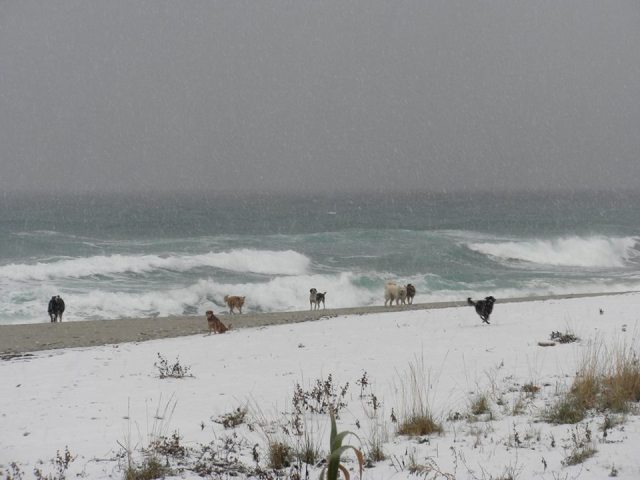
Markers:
483,307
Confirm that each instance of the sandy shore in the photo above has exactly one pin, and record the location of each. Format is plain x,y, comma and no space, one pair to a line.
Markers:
23,338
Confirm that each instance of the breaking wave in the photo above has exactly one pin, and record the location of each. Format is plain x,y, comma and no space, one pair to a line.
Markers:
244,260
593,251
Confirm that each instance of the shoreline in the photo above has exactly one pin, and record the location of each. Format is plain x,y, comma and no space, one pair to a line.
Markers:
19,339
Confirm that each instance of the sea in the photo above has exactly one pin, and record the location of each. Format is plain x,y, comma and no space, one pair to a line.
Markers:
146,255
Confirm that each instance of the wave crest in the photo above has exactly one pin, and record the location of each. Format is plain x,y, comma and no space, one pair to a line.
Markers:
593,251
244,260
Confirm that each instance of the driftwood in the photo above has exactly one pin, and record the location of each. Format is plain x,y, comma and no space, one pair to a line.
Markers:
547,344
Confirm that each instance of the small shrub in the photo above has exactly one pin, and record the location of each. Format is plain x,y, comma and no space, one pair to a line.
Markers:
168,447
530,389
280,455
518,406
308,450
324,397
567,410
220,458
15,473
378,435
426,470
233,419
175,370
480,405
418,425
609,422
363,383
150,469
582,447
61,464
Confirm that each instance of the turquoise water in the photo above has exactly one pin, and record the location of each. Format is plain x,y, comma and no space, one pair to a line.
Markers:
133,256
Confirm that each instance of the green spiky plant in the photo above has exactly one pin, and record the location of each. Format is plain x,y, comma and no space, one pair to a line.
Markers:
336,449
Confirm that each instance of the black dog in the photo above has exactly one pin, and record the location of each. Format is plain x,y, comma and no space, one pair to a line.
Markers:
483,307
411,292
55,309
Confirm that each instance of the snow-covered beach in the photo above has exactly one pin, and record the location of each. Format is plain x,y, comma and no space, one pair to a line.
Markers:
102,401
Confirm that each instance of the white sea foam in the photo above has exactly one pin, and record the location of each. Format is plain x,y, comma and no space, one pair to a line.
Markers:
277,294
573,251
283,293
243,260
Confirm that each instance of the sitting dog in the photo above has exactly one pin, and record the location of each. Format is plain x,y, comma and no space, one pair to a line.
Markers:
411,292
215,325
483,307
316,298
234,302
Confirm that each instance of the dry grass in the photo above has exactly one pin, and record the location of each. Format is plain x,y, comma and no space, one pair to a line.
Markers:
416,417
608,380
280,455
480,405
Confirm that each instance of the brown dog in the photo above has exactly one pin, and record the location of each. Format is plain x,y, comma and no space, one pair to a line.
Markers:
234,302
215,325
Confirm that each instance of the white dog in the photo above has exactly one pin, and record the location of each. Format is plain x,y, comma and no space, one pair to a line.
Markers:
394,292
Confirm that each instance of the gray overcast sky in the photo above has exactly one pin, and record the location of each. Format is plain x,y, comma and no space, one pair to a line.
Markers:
319,95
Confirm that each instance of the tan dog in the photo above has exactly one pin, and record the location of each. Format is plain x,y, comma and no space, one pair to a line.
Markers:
215,325
234,302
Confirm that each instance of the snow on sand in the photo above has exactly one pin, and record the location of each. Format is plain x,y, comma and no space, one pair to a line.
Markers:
98,400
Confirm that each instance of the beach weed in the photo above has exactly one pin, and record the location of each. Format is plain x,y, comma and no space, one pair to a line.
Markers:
608,379
219,458
336,449
378,436
280,454
233,419
150,469
582,446
61,464
174,370
427,470
323,397
169,446
530,389
480,405
15,472
309,450
568,409
419,425
416,418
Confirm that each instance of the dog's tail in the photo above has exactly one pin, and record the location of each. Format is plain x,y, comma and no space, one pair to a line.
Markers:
470,302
